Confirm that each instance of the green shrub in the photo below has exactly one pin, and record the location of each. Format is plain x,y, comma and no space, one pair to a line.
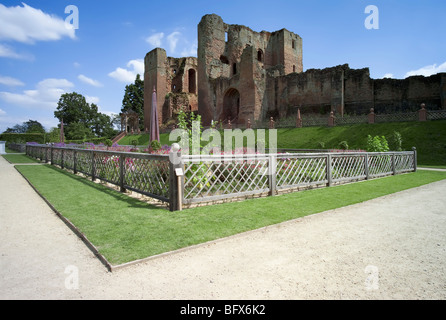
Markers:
343,145
108,142
155,144
377,144
396,141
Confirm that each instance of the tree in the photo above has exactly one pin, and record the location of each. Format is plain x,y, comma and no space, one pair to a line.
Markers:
53,135
134,98
33,126
82,120
30,126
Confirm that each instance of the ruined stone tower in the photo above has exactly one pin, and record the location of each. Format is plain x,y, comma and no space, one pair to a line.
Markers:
175,80
233,65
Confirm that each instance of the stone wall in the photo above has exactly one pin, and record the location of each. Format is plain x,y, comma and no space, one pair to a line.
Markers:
352,91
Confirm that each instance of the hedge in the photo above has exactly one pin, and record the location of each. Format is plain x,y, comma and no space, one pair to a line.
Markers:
22,137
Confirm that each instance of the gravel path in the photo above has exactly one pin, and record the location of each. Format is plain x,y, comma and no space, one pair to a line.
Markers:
392,247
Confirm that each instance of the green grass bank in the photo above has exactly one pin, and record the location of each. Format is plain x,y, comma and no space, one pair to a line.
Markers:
428,137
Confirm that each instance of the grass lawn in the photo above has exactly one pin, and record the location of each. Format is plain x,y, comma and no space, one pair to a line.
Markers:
125,229
19,158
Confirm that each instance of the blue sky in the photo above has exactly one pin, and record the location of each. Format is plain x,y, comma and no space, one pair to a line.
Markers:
40,58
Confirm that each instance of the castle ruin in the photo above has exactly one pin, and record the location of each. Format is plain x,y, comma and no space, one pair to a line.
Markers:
242,75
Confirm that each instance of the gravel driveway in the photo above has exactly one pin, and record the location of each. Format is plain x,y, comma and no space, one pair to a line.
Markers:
392,247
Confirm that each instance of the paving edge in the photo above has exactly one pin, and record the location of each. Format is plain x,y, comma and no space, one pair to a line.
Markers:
73,228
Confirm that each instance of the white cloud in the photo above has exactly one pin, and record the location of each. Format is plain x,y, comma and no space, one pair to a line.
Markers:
427,70
2,113
172,40
155,39
7,52
89,81
388,75
129,75
45,95
28,25
9,81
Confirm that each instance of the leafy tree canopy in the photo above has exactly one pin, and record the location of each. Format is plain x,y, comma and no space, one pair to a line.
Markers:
82,120
134,98
30,126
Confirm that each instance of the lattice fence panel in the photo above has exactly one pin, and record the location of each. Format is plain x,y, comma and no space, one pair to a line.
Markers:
220,178
404,162
148,176
68,159
380,164
351,120
293,171
436,114
107,167
348,167
57,156
83,162
396,117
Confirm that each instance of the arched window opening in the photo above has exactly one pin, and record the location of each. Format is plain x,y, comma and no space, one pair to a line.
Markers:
260,55
234,68
231,105
192,81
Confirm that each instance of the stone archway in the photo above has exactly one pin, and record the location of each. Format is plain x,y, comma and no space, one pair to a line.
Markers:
231,105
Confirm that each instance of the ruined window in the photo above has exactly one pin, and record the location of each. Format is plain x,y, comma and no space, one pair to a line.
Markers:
224,60
226,36
234,68
192,81
260,55
174,71
292,44
294,68
174,88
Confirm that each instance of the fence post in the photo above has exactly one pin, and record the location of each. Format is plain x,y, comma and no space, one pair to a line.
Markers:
51,155
121,172
272,177
298,119
422,113
175,181
61,157
74,161
393,164
329,170
92,167
46,154
414,159
371,116
331,119
366,166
